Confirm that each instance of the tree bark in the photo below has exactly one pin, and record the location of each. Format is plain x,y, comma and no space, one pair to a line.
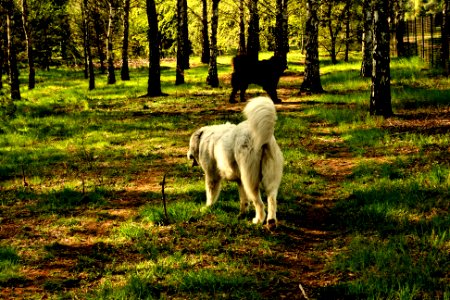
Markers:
380,98
110,53
242,49
213,77
2,52
13,70
281,30
99,38
367,40
185,31
180,43
125,71
205,38
399,21
311,82
253,31
348,16
154,73
29,46
445,37
87,37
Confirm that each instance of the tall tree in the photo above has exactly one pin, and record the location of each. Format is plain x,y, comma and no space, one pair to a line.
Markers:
242,49
367,40
99,28
253,31
29,45
380,97
213,77
348,17
185,35
12,56
445,37
125,71
400,26
154,73
87,45
110,34
311,82
2,52
180,43
281,30
205,38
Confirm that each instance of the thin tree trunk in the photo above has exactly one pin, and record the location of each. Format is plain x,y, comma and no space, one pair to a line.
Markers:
213,77
445,37
99,30
380,98
311,82
125,71
348,16
29,46
205,39
180,43
253,31
85,41
88,47
242,49
154,73
367,40
185,31
2,53
110,53
399,21
13,70
281,30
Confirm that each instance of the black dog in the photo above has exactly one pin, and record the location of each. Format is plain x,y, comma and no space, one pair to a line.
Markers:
265,73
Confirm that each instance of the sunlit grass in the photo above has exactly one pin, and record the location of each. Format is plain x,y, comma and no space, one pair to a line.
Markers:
91,163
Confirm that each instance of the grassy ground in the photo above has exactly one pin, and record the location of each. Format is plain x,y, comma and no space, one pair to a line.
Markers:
363,205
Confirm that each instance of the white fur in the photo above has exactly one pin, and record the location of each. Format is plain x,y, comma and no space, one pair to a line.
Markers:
246,153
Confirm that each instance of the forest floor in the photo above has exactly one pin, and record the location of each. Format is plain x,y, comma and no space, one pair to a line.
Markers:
90,223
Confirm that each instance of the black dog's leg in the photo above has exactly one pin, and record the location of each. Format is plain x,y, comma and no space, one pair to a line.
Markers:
243,89
235,86
272,91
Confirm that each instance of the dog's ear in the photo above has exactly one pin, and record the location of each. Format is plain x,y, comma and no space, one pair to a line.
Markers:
194,145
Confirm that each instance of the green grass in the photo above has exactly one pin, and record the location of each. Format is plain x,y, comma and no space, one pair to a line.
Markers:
363,205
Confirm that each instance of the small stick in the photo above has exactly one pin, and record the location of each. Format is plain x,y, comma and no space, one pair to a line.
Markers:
164,197
303,291
25,183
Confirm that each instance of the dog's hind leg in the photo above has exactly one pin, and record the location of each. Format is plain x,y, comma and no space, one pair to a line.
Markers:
243,201
212,189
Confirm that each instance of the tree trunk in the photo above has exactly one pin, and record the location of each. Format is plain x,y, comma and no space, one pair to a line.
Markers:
2,53
87,50
253,31
445,37
242,49
180,43
348,16
154,73
29,46
311,82
331,33
85,41
281,30
110,53
367,40
205,39
13,70
125,71
100,33
380,98
213,77
185,31
399,21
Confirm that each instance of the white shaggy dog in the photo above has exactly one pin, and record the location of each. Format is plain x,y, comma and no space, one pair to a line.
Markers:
246,153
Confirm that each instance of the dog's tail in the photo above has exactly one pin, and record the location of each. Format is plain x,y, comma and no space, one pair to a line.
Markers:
261,115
